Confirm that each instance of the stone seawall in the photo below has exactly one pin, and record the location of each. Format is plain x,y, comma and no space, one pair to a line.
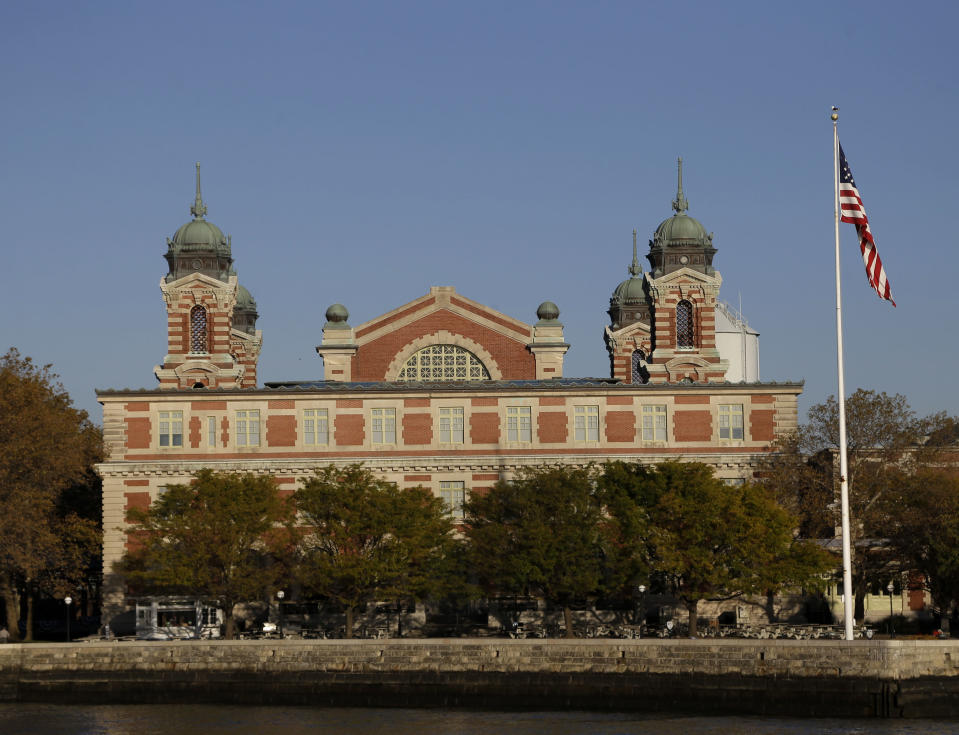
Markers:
806,678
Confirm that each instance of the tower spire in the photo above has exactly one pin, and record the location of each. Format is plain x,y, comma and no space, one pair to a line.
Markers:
199,208
635,269
679,203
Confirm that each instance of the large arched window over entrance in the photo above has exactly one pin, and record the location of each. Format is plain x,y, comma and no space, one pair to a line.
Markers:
685,334
442,363
198,336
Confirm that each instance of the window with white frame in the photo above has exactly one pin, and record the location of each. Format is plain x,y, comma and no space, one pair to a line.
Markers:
248,428
654,423
451,425
171,429
586,423
383,425
731,421
211,431
453,493
316,427
519,424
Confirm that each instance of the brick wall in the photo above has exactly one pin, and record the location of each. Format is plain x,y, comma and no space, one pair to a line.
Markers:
692,426
552,427
620,426
348,429
512,357
417,428
281,428
484,428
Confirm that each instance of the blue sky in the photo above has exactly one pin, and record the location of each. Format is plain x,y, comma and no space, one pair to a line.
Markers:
360,152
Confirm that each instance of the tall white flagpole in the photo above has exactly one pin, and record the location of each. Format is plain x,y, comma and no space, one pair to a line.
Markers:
849,598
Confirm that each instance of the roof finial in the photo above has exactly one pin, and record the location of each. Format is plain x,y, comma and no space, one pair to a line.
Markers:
635,269
199,208
679,203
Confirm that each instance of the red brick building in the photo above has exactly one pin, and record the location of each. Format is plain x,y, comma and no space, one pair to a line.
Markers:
442,391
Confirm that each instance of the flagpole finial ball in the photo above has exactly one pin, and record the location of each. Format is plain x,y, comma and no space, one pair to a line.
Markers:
834,116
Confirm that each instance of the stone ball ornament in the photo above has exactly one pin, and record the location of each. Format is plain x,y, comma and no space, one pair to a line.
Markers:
547,311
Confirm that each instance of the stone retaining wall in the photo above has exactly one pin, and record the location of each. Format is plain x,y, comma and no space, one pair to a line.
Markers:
821,678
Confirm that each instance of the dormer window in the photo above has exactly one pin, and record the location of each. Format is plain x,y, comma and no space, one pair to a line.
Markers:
685,334
198,331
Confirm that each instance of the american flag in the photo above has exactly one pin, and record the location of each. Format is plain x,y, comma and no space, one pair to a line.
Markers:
852,211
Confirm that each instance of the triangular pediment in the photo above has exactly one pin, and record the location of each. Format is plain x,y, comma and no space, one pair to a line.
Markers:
636,329
443,299
196,280
687,275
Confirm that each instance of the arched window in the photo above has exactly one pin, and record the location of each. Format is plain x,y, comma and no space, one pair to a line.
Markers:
638,372
198,340
685,337
442,363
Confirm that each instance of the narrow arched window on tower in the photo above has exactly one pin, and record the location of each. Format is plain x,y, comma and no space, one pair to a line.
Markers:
638,372
685,337
198,338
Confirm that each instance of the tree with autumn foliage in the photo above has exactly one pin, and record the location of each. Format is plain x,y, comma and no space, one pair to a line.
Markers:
363,539
47,450
923,526
223,537
886,444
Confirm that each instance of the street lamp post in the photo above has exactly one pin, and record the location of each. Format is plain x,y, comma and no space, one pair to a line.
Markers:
892,626
279,596
642,608
68,600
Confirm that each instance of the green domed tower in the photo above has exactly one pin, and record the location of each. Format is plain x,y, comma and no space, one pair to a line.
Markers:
212,339
629,302
663,323
244,313
199,246
680,241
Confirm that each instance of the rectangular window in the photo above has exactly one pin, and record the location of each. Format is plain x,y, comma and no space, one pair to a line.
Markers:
454,495
384,425
171,428
654,423
586,423
316,427
451,426
731,421
519,424
248,428
211,430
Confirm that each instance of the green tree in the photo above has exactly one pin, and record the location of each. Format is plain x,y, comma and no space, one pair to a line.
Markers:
715,541
221,537
628,494
364,539
46,447
543,533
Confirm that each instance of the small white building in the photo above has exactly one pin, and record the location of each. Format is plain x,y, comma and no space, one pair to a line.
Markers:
738,344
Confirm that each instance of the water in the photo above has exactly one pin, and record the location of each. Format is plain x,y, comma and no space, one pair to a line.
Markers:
42,719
